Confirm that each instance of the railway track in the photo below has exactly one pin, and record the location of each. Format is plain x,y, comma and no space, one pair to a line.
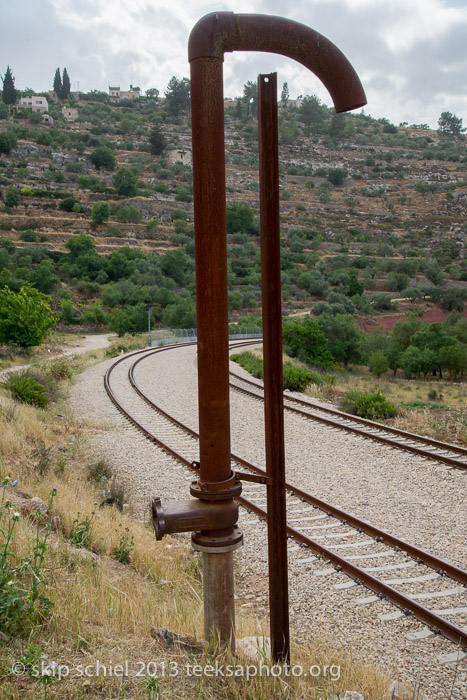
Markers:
453,455
395,572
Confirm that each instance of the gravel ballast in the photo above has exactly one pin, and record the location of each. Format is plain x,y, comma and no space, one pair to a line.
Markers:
420,501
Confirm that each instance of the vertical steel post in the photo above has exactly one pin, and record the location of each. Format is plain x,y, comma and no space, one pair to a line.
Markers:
207,114
207,109
212,36
272,356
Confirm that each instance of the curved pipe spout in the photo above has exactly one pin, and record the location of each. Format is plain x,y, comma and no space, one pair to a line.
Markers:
211,37
221,32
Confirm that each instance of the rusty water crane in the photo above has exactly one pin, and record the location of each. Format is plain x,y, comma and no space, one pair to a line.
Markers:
213,517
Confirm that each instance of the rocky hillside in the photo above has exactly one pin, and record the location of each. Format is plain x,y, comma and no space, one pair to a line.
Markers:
370,212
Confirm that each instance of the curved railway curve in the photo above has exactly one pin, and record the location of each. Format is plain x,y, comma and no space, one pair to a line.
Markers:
453,455
330,533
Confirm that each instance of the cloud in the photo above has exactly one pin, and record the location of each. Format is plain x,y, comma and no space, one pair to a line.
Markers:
409,54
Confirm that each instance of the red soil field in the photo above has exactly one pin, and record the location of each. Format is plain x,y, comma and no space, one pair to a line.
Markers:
432,316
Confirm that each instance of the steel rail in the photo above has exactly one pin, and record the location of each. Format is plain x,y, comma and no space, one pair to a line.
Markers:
420,555
364,421
437,624
451,461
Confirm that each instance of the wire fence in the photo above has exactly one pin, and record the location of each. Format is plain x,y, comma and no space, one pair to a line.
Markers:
169,336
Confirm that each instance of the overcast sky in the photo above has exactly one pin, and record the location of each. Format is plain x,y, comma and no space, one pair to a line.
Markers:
411,55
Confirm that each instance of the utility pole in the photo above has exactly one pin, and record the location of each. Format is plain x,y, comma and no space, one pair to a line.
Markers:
148,307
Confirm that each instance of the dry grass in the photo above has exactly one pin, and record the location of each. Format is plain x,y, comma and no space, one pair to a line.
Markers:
434,407
13,356
103,610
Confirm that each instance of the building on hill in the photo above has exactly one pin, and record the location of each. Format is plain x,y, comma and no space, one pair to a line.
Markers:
47,120
53,97
295,104
179,155
115,94
34,102
70,113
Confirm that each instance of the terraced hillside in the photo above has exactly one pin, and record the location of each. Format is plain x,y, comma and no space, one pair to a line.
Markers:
367,208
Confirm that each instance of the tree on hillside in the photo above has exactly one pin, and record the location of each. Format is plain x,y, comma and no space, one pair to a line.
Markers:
177,96
66,85
9,92
25,317
432,337
337,176
126,182
156,140
378,363
312,113
103,157
100,212
7,141
343,337
80,245
250,98
337,126
240,218
450,124
58,83
305,340
152,93
454,359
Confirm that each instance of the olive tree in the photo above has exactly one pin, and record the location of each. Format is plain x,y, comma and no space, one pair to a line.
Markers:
25,316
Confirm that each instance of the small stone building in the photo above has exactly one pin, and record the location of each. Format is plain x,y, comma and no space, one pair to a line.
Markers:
70,113
179,155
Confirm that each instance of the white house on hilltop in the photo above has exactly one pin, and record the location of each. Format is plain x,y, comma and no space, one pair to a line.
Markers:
34,102
115,94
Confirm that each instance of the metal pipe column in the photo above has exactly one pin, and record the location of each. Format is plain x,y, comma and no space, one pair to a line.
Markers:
272,357
207,110
211,37
207,114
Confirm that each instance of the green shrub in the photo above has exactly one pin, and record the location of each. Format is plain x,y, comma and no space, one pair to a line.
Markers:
29,236
100,212
80,534
7,141
151,227
179,214
251,363
25,317
100,471
22,606
126,543
114,230
366,405
378,363
337,176
25,387
128,213
12,197
59,369
296,379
